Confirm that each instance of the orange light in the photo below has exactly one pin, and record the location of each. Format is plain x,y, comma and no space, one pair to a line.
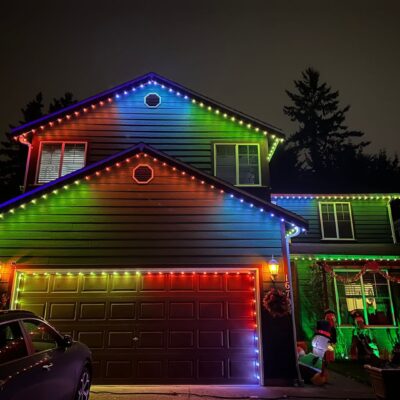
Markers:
273,267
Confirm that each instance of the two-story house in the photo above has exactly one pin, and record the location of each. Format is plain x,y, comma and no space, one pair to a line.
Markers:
347,261
146,230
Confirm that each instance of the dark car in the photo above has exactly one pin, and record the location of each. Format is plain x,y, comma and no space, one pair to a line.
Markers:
37,362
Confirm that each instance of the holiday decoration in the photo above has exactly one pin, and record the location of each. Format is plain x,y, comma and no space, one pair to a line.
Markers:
277,303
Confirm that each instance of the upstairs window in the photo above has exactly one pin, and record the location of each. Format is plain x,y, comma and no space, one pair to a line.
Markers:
59,159
238,164
370,296
336,221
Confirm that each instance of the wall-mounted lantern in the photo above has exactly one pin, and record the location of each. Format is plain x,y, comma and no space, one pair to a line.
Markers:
273,267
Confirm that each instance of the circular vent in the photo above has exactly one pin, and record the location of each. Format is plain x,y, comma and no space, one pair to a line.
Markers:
143,174
152,100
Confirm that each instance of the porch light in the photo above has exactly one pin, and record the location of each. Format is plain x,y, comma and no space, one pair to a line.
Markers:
273,267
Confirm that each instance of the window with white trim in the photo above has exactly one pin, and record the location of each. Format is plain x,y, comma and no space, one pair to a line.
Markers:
59,159
336,221
238,164
370,296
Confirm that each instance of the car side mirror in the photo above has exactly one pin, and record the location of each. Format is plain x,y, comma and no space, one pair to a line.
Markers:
67,341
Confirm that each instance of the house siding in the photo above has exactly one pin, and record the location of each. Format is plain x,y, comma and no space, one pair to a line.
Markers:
177,127
110,220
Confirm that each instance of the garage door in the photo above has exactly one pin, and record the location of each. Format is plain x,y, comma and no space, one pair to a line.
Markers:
154,327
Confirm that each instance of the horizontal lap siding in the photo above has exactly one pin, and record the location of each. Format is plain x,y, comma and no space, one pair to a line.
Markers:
177,127
370,219
111,220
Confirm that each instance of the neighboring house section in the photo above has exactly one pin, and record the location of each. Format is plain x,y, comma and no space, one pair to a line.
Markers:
348,260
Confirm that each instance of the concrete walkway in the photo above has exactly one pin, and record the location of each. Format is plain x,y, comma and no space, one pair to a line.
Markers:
338,388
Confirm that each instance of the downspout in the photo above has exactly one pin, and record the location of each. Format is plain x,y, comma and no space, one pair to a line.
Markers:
287,237
26,142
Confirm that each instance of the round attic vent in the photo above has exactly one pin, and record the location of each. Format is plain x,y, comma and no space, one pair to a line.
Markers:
152,100
143,174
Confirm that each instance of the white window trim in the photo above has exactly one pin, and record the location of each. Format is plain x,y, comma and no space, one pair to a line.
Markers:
63,143
336,221
237,144
363,297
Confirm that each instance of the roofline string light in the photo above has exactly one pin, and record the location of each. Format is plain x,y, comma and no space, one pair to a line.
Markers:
173,169
122,93
155,273
346,258
336,197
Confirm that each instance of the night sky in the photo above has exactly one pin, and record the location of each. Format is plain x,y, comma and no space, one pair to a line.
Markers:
242,53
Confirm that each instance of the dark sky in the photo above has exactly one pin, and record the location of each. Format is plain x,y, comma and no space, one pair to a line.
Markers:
242,53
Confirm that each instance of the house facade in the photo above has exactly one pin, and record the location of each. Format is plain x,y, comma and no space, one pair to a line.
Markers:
145,231
347,261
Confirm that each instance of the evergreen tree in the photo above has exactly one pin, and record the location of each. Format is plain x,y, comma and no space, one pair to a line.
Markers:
322,134
13,154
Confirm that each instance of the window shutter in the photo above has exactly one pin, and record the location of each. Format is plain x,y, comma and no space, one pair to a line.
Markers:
73,157
50,158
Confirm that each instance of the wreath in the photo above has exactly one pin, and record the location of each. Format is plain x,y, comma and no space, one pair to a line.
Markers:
277,303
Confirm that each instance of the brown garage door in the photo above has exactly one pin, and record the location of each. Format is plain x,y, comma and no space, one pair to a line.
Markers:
154,327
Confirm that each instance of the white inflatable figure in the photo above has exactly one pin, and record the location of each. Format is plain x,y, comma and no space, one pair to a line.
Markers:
320,344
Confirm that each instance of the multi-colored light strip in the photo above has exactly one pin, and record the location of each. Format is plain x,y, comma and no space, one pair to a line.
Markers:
326,257
118,164
207,106
391,196
125,273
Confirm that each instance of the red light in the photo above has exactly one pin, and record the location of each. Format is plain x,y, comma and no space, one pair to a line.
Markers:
108,169
97,173
145,155
93,106
87,178
193,177
85,110
68,117
109,99
173,169
76,113
101,103
41,127
118,164
51,123
155,159
128,160
59,119
202,182
137,156
160,273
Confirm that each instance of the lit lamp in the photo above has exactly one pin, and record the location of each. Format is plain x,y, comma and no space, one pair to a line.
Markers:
273,267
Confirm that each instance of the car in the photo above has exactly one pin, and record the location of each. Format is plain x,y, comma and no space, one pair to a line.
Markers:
38,362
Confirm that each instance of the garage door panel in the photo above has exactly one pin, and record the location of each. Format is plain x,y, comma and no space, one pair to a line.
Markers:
152,310
211,282
150,339
62,311
122,311
96,283
181,339
119,369
211,368
153,282
211,339
211,310
241,339
123,283
181,369
36,284
65,283
92,311
182,310
182,282
93,339
149,369
154,328
117,340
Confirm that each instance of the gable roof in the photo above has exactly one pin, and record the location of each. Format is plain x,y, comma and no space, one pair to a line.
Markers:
149,79
292,220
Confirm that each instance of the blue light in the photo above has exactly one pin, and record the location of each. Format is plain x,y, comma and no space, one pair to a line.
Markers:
272,215
241,200
232,196
261,210
117,96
